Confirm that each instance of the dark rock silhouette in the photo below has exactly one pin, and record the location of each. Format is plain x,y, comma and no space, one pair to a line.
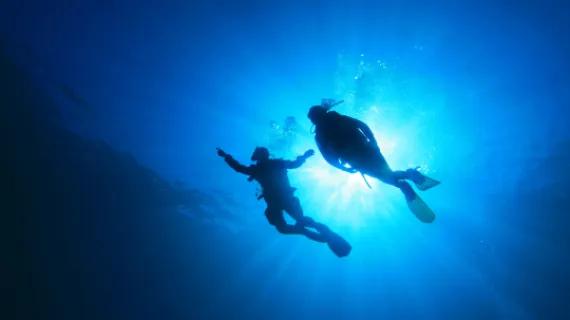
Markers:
87,232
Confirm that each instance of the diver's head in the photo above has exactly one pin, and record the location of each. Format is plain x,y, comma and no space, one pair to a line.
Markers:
317,114
260,154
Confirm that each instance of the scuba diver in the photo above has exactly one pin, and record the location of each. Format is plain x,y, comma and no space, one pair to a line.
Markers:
271,174
349,145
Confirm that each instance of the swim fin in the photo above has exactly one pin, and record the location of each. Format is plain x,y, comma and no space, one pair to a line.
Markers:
421,181
421,210
339,246
427,183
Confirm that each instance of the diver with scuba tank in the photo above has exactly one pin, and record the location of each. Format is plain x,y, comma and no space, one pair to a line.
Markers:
349,145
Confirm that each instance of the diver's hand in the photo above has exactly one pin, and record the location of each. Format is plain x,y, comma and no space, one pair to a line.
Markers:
308,153
221,153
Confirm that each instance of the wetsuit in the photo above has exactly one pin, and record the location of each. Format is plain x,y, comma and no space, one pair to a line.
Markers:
349,145
271,174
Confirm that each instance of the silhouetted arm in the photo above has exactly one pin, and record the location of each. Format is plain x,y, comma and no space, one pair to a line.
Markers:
234,164
299,161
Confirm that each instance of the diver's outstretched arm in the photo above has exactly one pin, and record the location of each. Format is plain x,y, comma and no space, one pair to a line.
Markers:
300,160
234,164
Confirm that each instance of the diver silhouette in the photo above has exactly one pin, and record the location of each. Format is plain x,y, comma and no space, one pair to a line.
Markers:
349,145
279,196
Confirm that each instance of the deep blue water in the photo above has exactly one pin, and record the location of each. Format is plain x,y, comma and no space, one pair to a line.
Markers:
113,111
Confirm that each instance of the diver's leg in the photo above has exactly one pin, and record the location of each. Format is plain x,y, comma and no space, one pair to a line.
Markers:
421,181
393,178
404,186
275,217
285,228
298,229
401,175
397,178
376,165
407,190
413,174
274,214
336,243
294,209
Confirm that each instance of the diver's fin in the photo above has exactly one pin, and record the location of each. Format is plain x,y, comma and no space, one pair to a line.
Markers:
421,181
421,210
339,246
426,183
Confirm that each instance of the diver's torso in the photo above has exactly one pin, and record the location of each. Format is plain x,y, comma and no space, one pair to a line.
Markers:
340,133
272,176
349,143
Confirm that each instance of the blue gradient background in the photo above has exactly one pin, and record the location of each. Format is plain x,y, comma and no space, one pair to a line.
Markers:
475,93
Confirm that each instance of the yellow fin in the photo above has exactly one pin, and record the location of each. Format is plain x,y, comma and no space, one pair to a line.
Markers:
421,210
427,183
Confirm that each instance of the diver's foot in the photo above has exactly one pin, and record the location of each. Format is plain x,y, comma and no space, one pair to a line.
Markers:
406,189
322,229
